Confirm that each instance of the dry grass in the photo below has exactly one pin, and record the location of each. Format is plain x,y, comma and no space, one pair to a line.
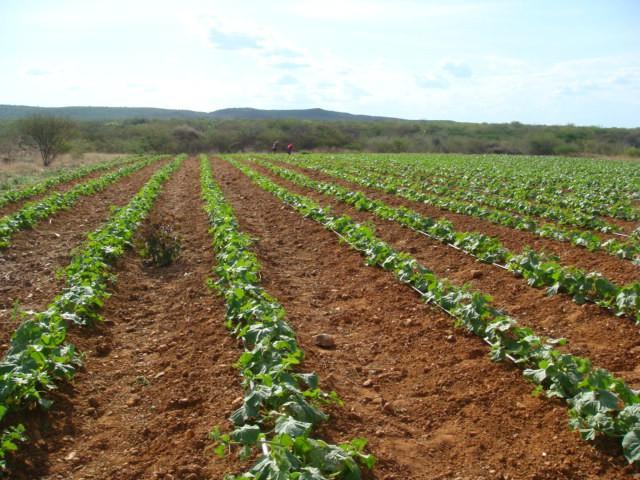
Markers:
28,168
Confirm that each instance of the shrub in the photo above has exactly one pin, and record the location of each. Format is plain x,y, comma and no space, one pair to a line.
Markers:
632,152
159,246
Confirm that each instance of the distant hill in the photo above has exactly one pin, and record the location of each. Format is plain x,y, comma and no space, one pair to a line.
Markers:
306,114
108,114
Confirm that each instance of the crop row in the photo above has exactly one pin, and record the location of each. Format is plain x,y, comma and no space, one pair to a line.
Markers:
629,250
281,406
522,210
592,186
29,191
600,404
38,355
585,199
33,212
537,268
561,215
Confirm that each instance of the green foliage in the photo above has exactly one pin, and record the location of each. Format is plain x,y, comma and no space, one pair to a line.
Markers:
281,406
9,440
600,404
372,174
538,269
632,152
160,245
15,195
38,355
31,213
543,144
153,131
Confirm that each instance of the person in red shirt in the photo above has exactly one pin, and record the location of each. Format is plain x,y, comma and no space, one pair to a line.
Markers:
290,148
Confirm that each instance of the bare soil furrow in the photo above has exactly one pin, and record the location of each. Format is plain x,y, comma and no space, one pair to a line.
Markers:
617,270
28,266
609,341
427,397
158,374
62,187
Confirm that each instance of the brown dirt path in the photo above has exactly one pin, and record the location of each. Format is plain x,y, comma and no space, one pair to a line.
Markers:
63,187
28,266
617,270
427,397
609,341
158,375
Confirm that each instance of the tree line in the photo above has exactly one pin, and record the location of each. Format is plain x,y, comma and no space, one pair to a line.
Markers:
200,135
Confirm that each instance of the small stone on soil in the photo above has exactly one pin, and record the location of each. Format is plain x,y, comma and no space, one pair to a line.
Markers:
71,456
103,349
324,340
476,273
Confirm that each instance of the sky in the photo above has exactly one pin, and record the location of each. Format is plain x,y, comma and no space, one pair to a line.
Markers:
535,61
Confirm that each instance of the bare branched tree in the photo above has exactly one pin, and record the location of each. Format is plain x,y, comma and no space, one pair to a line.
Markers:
50,135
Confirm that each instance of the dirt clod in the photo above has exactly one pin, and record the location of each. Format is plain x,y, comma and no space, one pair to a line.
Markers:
324,340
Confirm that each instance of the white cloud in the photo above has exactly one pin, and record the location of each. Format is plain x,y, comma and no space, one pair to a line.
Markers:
398,58
37,72
287,80
290,65
457,69
385,11
283,52
233,40
432,81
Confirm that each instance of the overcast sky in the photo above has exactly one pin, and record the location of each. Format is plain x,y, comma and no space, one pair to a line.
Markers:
536,61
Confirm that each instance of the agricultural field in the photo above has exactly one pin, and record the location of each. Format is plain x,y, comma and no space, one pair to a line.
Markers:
322,316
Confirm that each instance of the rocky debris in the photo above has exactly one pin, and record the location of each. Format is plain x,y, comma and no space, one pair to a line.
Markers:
387,408
103,349
324,340
476,273
73,456
184,402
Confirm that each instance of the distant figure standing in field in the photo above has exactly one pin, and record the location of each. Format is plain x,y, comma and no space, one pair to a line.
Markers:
290,148
274,147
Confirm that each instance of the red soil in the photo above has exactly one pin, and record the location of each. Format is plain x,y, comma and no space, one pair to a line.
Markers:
28,266
63,187
617,270
158,373
592,332
437,407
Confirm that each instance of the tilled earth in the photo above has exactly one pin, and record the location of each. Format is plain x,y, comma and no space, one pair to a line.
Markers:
592,331
158,374
29,266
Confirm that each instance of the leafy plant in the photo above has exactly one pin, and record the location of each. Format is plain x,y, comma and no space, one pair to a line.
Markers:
538,269
38,355
281,406
600,403
33,212
28,191
159,245
368,175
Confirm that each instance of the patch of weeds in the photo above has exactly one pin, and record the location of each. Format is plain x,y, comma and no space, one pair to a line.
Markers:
159,245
